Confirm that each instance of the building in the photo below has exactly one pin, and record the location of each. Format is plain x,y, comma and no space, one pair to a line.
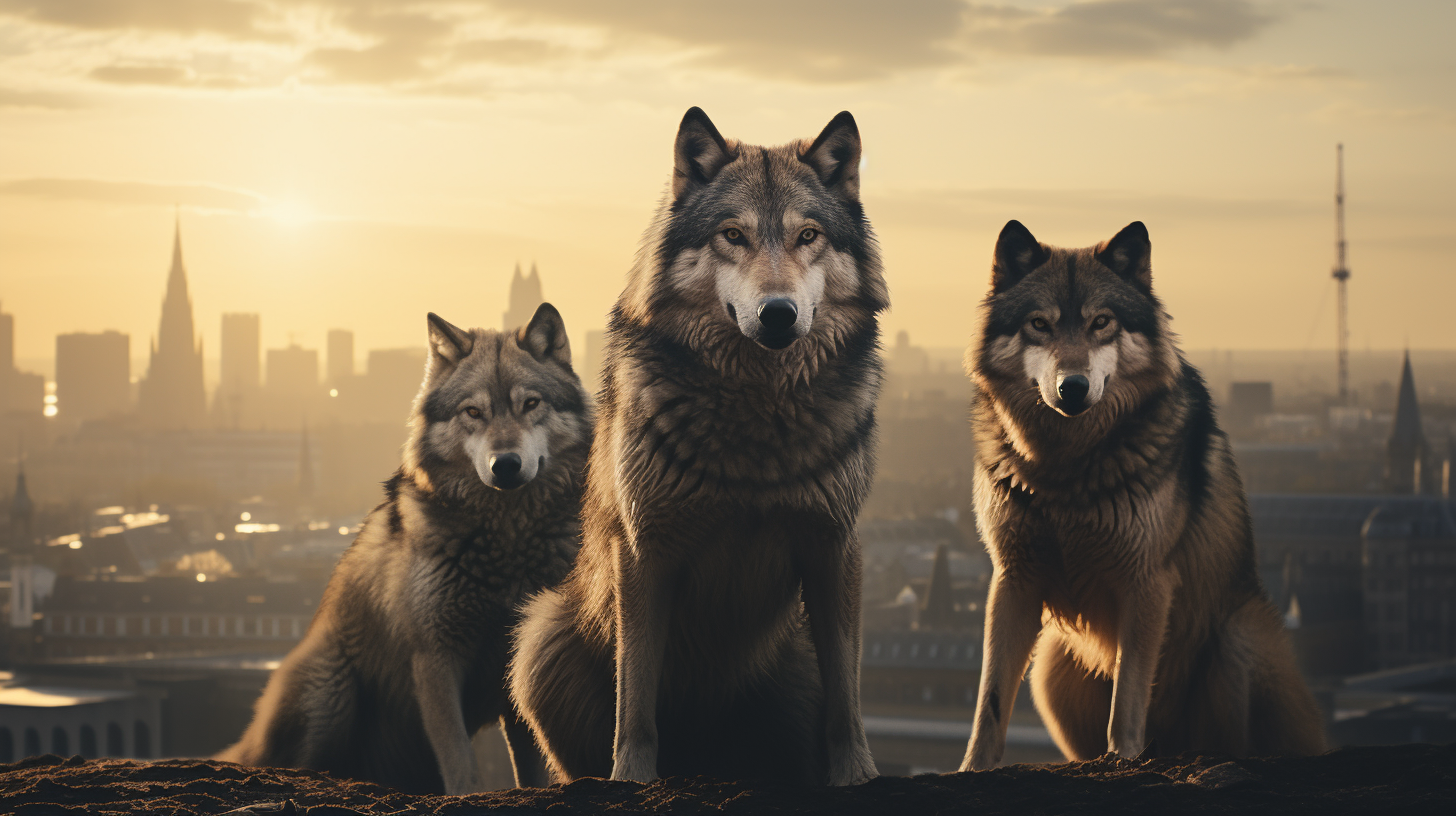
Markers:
292,385
238,390
171,396
341,356
525,297
93,375
1408,455
22,395
1409,560
1247,402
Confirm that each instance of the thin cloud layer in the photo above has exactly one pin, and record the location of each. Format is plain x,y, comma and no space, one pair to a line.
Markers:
420,45
198,196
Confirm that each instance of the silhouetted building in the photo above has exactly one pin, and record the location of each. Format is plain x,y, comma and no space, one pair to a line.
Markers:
293,382
1247,402
1407,453
905,359
1410,582
93,375
939,611
172,395
341,356
305,466
525,298
390,382
241,380
21,394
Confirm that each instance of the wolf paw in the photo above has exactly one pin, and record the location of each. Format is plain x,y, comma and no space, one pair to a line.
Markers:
857,770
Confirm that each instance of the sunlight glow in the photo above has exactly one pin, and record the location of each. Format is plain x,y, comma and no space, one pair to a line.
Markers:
290,213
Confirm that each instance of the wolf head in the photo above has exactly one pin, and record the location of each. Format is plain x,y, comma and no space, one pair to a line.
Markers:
1076,328
766,245
496,407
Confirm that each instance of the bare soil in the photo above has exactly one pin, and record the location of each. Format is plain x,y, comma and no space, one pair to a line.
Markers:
1411,779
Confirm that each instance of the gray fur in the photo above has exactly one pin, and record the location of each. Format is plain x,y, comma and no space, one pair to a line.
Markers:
1119,536
711,623
406,657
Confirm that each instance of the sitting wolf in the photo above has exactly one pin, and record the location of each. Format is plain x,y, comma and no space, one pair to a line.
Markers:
407,654
1117,524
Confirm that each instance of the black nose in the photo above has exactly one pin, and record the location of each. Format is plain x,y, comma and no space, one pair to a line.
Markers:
778,315
1073,391
506,467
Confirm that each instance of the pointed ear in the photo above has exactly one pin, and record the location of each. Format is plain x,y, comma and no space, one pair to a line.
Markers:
1129,254
1017,254
449,342
545,336
835,156
700,152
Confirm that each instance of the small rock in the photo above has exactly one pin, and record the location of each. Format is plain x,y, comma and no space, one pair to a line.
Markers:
1222,776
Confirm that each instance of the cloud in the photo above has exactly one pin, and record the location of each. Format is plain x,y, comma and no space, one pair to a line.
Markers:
43,100
1115,29
238,19
198,196
142,74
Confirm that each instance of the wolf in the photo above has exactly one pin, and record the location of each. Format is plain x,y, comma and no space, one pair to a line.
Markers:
711,624
406,656
1117,525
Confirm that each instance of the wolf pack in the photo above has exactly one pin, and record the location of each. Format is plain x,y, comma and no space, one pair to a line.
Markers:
663,578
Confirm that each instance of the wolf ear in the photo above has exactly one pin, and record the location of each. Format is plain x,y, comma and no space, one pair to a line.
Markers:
700,152
545,336
835,156
1129,254
449,342
1017,254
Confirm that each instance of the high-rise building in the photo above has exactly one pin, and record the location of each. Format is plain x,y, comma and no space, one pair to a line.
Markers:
172,394
93,375
293,380
236,403
341,356
525,297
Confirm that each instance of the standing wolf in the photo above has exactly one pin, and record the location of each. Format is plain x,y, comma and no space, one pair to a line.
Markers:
734,451
1117,524
406,656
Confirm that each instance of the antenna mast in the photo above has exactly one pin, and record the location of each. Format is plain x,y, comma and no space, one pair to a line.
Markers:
1341,275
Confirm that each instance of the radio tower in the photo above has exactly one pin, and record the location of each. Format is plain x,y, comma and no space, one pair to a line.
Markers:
1341,275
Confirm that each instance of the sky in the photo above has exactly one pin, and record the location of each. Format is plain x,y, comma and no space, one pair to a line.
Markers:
355,164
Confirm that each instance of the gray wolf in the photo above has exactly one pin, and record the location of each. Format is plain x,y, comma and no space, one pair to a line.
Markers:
1117,524
406,656
711,624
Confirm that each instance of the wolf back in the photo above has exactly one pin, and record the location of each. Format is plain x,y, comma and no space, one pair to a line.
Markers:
734,451
1109,498
406,656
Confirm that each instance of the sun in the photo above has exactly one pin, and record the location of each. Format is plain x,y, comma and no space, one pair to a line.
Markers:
290,213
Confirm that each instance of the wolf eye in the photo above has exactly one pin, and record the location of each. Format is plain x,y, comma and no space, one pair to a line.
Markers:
472,412
530,404
1040,324
808,236
1100,322
735,236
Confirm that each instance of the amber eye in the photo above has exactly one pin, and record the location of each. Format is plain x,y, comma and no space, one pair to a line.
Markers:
734,236
1040,324
1100,322
472,412
808,236
530,404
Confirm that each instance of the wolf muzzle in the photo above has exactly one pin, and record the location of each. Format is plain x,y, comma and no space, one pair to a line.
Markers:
1072,394
506,468
776,320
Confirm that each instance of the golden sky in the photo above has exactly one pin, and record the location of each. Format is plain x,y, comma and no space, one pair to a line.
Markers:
356,164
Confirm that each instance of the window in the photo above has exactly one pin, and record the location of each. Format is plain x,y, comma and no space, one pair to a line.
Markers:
115,741
7,746
60,742
88,742
32,742
142,740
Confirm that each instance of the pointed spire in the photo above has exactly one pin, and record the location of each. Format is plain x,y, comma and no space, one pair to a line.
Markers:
939,610
1407,449
22,509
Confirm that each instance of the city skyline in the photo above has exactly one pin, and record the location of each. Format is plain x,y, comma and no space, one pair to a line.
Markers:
361,166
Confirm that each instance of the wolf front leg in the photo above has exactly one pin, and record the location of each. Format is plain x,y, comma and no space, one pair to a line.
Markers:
831,581
437,682
642,596
1013,621
527,763
1141,625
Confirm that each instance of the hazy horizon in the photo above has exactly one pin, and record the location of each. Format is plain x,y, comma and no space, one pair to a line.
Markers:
354,165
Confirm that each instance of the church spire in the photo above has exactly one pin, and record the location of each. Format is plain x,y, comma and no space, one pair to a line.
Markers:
172,395
1407,446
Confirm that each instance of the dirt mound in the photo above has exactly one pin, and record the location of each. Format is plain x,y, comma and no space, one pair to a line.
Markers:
1405,779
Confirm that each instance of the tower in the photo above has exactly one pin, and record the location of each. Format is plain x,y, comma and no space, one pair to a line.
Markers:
1406,451
1341,275
172,395
525,297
